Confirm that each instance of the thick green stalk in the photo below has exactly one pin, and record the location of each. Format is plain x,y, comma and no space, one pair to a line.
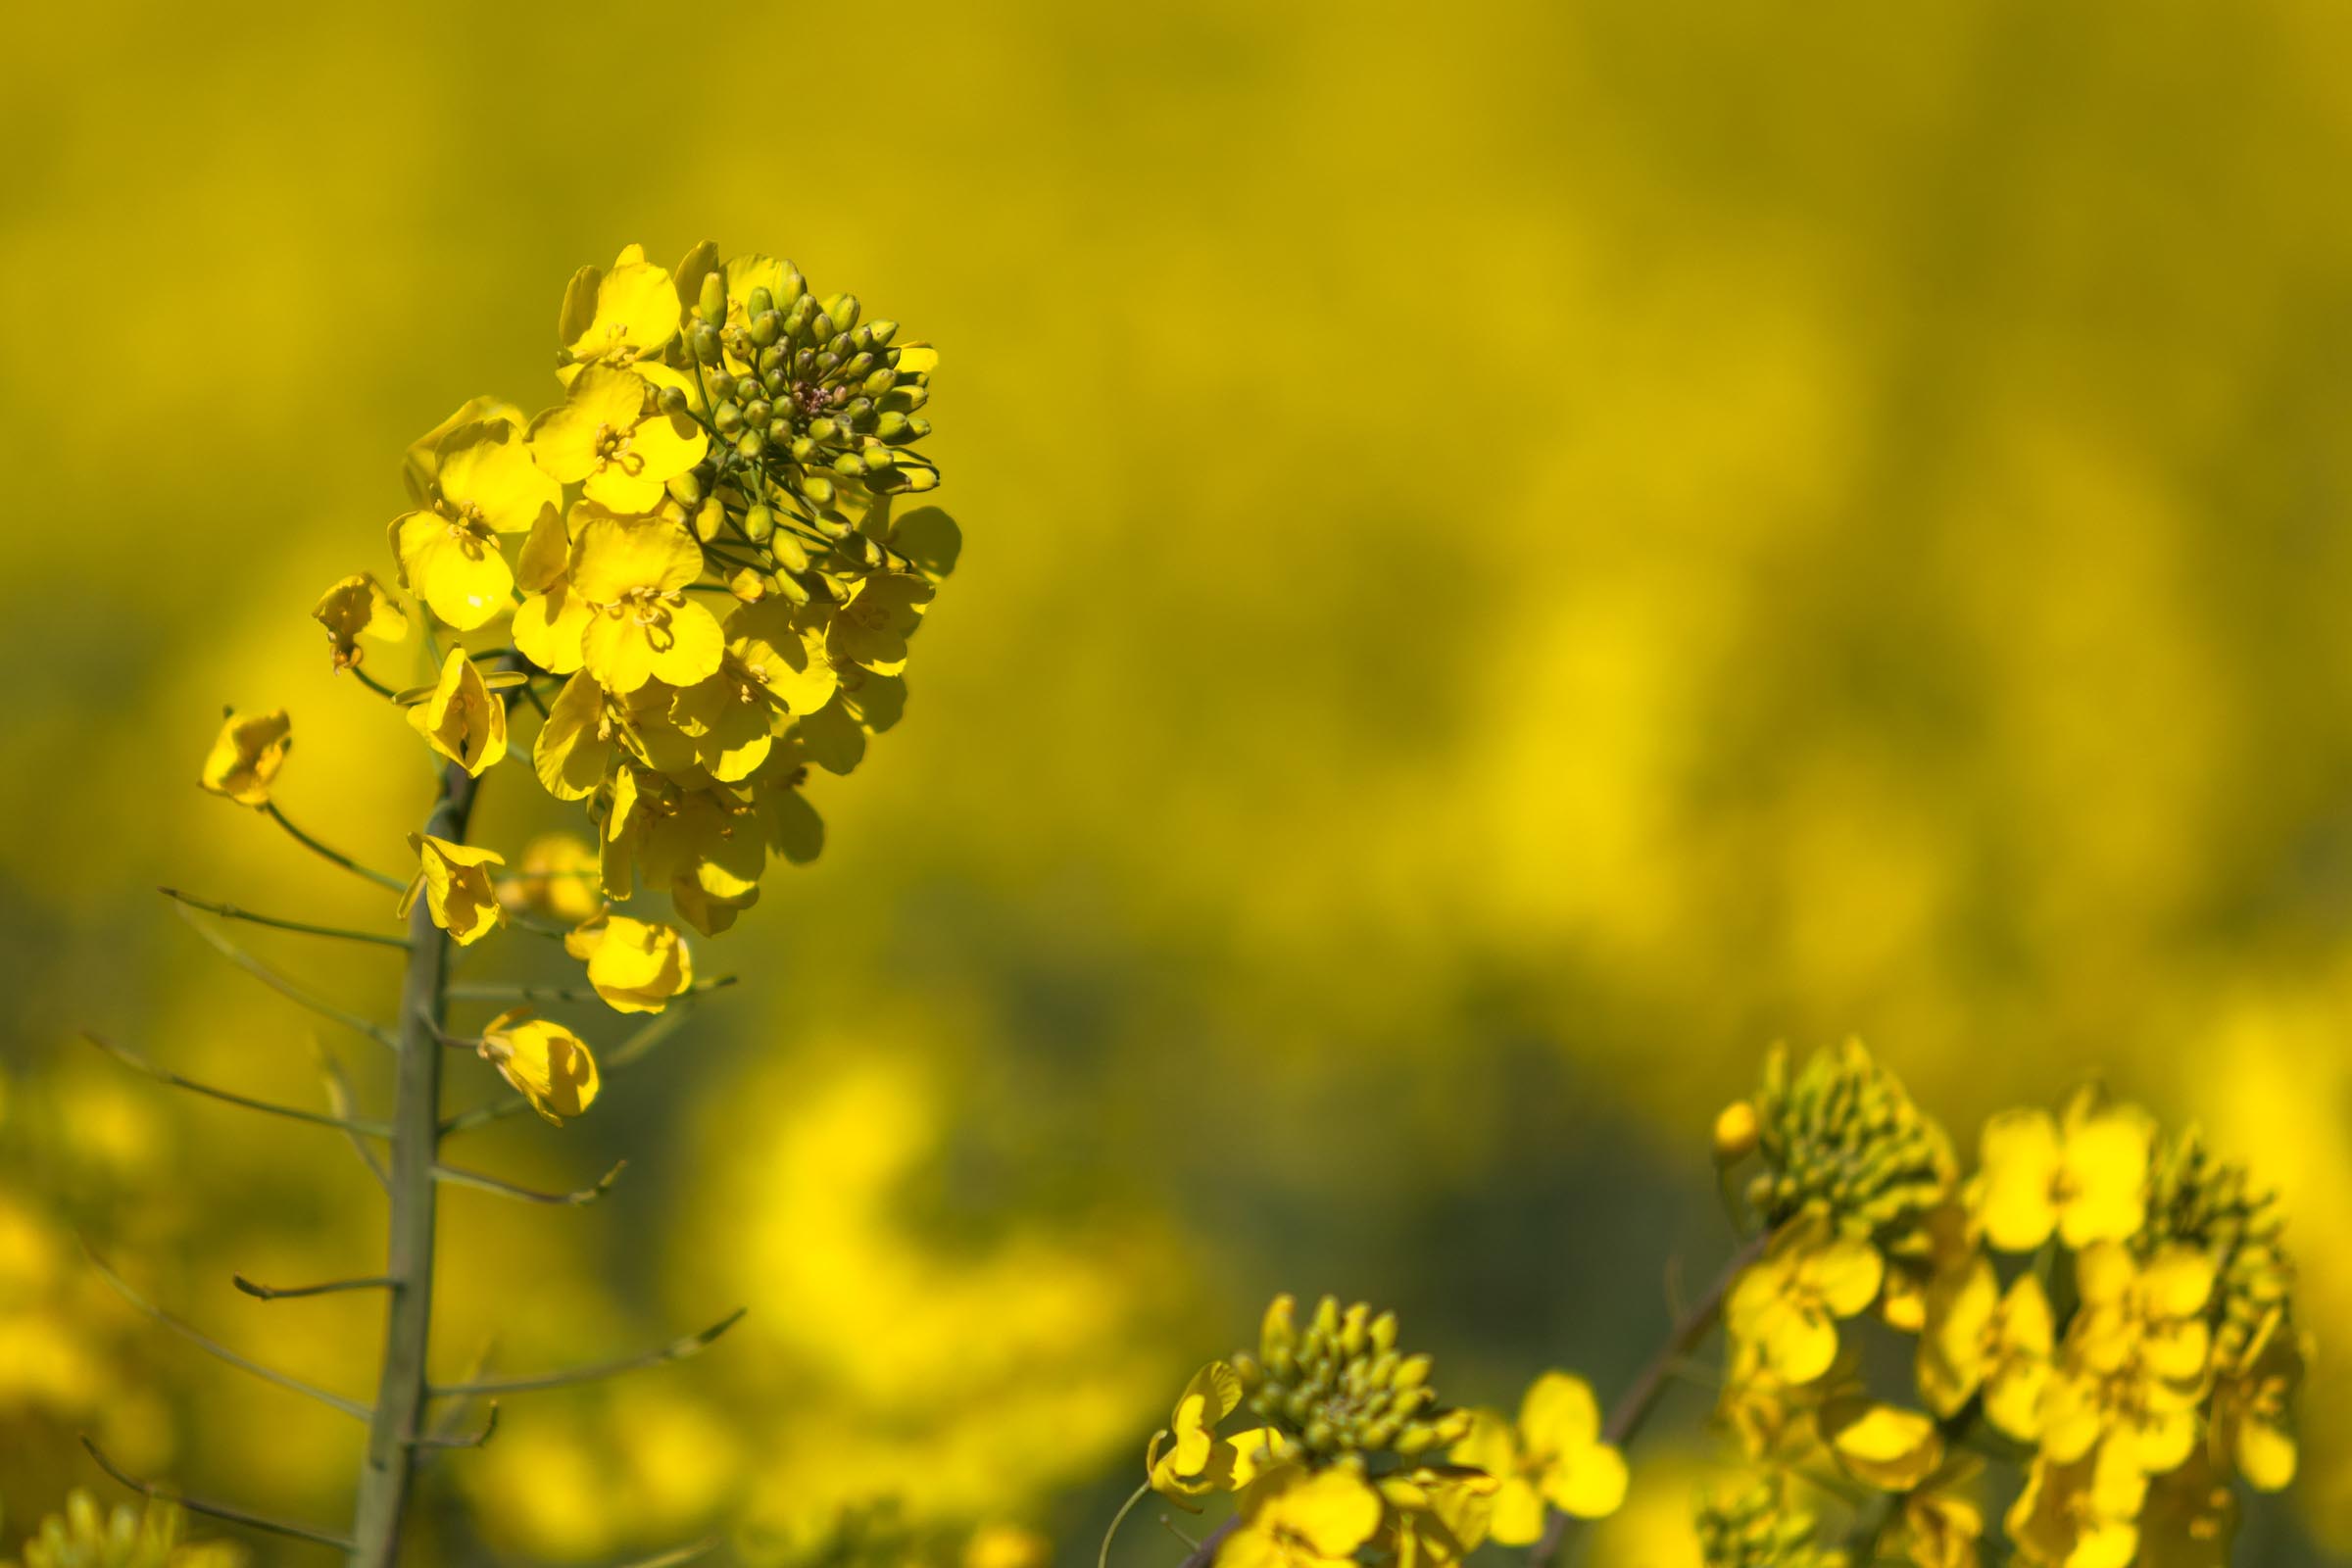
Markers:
400,1417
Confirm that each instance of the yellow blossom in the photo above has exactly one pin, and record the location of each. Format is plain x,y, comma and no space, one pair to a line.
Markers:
1196,1460
556,877
1434,1517
553,618
422,463
546,1062
462,718
1943,1527
620,317
1880,1444
1004,1546
1293,1517
455,879
246,756
357,607
1977,1337
2132,1371
2084,1178
2082,1513
635,965
2251,1422
634,572
608,435
485,485
872,628
1554,1456
1787,1302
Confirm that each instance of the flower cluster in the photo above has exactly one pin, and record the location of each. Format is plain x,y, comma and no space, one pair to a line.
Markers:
84,1536
702,548
2111,1307
1354,1459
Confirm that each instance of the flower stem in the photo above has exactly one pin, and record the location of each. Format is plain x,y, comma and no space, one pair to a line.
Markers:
1627,1414
333,857
399,1423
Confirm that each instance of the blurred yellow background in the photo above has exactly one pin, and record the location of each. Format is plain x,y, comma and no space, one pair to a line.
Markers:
1515,552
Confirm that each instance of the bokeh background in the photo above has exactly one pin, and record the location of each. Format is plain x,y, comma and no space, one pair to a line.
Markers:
1515,553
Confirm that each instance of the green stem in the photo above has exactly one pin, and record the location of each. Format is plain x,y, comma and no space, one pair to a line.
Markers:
1102,1557
403,1388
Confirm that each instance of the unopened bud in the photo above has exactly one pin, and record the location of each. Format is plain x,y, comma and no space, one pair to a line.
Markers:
714,303
1736,1130
757,523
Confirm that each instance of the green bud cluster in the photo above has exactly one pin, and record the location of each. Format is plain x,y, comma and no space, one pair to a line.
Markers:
1342,1387
1842,1133
1760,1527
2210,1203
83,1537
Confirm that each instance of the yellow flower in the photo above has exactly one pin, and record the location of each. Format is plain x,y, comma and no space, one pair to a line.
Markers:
422,464
546,1062
1196,1460
2250,1425
484,484
1295,1518
1434,1517
872,628
357,607
1002,1546
552,618
1554,1456
618,317
782,647
1978,1338
2082,1513
635,965
1880,1445
1943,1527
245,757
556,877
2086,1179
608,435
455,879
463,718
728,720
634,574
2132,1371
1787,1302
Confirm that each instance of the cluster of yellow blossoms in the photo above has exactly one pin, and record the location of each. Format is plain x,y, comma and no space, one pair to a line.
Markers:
699,568
84,1536
1353,1459
712,563
2104,1310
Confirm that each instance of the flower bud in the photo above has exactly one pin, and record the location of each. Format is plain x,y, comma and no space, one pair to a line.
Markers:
714,303
709,519
767,327
757,523
1736,1131
686,489
705,342
757,303
789,552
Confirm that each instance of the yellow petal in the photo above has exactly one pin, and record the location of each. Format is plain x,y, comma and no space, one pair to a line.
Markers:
2019,1152
1891,1449
246,756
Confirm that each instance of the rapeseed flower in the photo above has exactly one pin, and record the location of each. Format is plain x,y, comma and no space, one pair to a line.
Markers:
1553,1456
546,1063
461,717
634,965
247,755
2083,1177
455,879
357,607
1787,1302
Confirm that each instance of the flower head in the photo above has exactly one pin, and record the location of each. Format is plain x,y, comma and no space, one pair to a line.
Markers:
357,607
610,435
546,1062
635,965
1342,1387
1980,1337
246,756
1553,1456
455,879
1196,1460
1787,1302
1841,1135
461,717
2083,1177
484,484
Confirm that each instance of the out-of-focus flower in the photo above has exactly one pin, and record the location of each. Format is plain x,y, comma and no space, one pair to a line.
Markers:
2132,1372
1294,1517
556,877
1881,1445
245,758
1196,1460
1977,1337
2083,1177
85,1536
1787,1302
1552,1456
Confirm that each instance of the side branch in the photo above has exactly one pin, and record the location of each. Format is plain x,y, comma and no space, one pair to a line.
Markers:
165,1075
288,1293
213,1347
491,1184
213,1510
230,911
529,992
675,1351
